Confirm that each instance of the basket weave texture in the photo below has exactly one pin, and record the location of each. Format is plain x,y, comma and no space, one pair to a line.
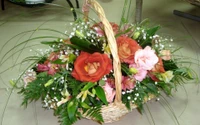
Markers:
114,111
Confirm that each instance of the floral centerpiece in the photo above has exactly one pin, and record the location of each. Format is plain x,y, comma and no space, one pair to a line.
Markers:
102,65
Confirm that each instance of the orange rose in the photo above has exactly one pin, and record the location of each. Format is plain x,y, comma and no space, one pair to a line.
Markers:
158,68
91,67
126,49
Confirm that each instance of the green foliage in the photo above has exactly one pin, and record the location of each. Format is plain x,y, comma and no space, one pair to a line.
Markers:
139,93
50,43
125,69
64,117
84,45
95,113
88,86
74,86
101,94
34,90
169,65
149,32
72,109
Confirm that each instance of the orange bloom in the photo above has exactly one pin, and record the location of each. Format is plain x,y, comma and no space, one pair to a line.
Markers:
91,67
126,49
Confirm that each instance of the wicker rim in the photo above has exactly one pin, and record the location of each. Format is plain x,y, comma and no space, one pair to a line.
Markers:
111,43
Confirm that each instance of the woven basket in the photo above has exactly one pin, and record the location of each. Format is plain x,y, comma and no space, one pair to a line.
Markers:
113,111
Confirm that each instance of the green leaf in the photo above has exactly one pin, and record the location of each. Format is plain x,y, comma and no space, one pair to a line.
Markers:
169,65
12,83
95,113
152,31
84,45
125,69
88,86
84,105
49,83
101,94
71,109
72,58
49,42
144,22
58,61
42,74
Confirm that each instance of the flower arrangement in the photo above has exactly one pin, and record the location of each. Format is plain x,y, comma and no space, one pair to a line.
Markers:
77,76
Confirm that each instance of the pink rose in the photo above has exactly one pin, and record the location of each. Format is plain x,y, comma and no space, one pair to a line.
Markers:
146,58
140,73
109,91
127,83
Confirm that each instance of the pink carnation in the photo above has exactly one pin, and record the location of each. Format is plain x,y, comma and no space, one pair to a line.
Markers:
146,58
42,68
127,83
140,74
109,91
48,67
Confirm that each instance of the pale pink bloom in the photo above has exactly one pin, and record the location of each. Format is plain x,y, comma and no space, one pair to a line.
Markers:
165,54
109,91
53,56
127,27
140,74
146,58
29,76
85,7
127,83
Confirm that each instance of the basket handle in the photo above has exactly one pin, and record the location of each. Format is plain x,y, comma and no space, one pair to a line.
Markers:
111,43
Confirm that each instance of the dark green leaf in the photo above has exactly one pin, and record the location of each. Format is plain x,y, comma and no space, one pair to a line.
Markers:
42,74
101,94
72,108
150,32
49,42
84,45
125,69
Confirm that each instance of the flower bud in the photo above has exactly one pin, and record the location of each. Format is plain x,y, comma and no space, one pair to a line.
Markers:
136,35
133,70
